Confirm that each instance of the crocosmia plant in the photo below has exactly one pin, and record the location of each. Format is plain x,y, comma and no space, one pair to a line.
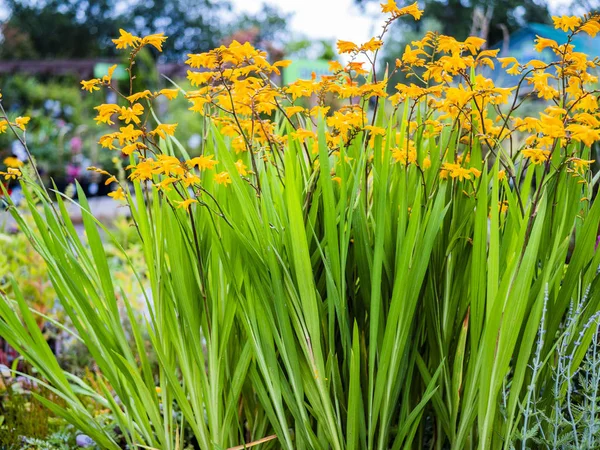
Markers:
344,263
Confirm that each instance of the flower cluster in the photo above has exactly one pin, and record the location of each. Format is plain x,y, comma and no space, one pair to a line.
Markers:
447,93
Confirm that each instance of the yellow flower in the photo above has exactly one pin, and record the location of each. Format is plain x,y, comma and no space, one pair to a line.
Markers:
11,161
135,97
165,129
169,93
108,77
223,178
585,134
90,85
130,148
372,45
128,134
536,155
346,47
591,27
156,40
107,140
301,134
22,121
105,113
166,183
119,194
566,23
126,40
502,207
202,162
390,7
111,180
412,10
241,168
461,173
130,114
190,178
185,204
475,172
501,175
11,173
581,165
143,170
291,110
542,43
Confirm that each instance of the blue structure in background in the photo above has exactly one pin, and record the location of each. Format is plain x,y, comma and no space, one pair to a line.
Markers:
521,46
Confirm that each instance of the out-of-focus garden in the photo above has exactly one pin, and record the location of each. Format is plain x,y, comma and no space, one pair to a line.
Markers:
396,249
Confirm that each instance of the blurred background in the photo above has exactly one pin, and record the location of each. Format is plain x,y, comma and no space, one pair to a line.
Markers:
48,46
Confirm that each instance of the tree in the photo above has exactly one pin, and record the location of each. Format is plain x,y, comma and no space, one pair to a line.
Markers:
60,29
84,28
192,25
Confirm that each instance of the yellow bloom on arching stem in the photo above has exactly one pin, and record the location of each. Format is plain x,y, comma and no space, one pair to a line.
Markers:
107,140
536,155
165,129
580,165
346,47
126,40
130,114
475,172
223,178
241,168
108,77
138,95
130,148
11,161
169,93
128,134
110,180
301,134
190,179
372,45
90,85
461,173
185,204
291,110
143,170
411,10
542,43
21,122
105,112
203,162
156,40
119,194
566,23
166,183
583,133
591,27
390,7
11,173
